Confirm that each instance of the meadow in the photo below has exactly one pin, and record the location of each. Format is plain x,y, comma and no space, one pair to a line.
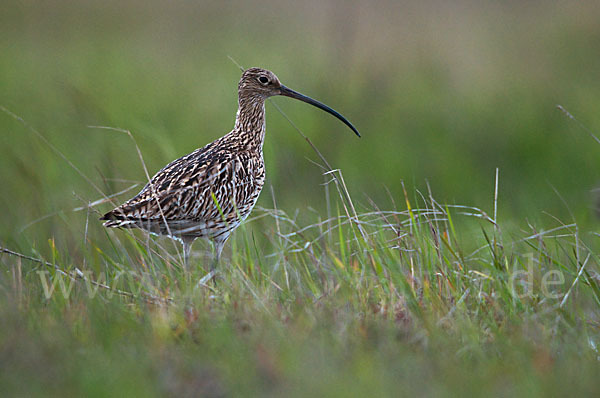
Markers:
452,250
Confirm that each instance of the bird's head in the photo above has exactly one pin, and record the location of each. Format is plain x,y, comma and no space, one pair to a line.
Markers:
260,84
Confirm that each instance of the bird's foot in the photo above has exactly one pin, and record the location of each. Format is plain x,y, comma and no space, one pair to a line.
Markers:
207,278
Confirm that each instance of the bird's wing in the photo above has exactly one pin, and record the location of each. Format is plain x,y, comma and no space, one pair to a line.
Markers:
183,189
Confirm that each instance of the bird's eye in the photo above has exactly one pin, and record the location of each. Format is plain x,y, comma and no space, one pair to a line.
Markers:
263,80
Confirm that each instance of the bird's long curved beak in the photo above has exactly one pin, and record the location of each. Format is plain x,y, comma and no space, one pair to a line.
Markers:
288,92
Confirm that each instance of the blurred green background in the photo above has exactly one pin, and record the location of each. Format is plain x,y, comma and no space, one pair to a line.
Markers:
444,92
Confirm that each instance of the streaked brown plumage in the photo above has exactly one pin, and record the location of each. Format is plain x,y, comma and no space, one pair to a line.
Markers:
209,192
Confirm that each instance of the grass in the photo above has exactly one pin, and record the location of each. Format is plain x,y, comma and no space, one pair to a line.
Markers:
424,299
457,254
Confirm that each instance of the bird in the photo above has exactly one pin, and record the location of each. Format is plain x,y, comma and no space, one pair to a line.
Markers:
209,192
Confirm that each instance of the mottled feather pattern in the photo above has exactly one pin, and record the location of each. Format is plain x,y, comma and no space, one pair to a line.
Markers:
209,192
203,194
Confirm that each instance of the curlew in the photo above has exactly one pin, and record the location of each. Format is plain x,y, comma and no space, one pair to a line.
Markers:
209,192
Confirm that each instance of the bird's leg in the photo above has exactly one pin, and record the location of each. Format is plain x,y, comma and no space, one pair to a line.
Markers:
187,248
211,275
186,255
213,266
218,250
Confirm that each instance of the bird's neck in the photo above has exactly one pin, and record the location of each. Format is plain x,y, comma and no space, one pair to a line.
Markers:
250,121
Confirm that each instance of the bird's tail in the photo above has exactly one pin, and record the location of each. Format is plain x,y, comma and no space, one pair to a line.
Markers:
117,220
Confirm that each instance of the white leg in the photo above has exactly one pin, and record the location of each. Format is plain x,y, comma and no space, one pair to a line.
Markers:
187,248
213,267
218,250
